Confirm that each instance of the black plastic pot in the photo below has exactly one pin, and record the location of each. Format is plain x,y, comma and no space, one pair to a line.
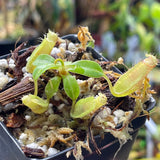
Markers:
8,45
10,149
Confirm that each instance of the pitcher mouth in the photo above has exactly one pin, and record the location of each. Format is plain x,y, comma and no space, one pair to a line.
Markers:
150,61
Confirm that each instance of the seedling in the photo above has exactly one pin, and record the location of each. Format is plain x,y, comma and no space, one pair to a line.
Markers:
46,62
40,61
128,83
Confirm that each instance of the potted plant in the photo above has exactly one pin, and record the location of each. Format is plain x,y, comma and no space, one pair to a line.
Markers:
66,100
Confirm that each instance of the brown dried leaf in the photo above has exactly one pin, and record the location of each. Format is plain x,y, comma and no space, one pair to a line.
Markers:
14,120
20,62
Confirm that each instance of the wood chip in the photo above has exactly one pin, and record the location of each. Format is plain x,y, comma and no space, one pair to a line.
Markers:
14,93
14,120
33,152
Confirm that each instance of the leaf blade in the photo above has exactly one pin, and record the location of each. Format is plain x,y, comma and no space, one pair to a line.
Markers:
43,59
71,86
39,70
52,86
87,68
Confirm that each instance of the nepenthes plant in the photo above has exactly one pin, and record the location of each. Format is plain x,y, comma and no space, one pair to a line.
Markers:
70,93
124,86
45,62
134,81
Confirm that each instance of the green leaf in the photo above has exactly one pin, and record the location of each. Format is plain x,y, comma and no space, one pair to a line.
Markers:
143,12
39,70
71,86
52,86
155,11
75,69
87,68
43,59
68,65
86,106
35,103
90,44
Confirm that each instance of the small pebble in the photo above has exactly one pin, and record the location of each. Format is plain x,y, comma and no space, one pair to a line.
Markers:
32,145
3,64
27,59
55,51
23,136
27,117
11,63
24,70
105,112
60,107
26,74
52,151
62,45
50,109
71,47
3,81
115,120
119,113
44,148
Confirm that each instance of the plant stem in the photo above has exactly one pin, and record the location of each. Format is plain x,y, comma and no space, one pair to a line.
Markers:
59,60
72,108
110,85
35,87
62,70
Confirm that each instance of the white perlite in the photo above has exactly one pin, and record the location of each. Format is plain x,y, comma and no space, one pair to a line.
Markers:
72,47
55,51
27,117
52,151
119,113
3,64
32,145
23,137
11,63
4,80
62,45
